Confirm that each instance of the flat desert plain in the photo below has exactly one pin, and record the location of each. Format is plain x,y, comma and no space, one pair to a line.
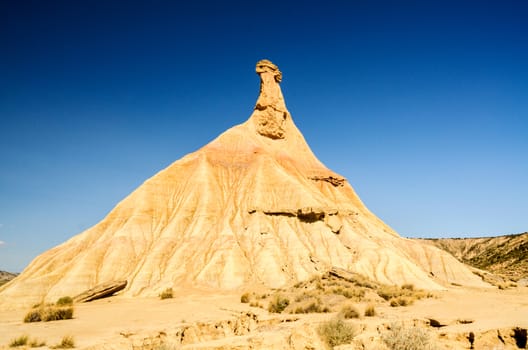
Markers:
195,319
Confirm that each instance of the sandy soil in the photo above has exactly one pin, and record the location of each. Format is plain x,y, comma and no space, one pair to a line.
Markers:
116,320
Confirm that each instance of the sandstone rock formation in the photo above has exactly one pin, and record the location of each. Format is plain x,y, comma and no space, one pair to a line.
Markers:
253,206
505,255
100,291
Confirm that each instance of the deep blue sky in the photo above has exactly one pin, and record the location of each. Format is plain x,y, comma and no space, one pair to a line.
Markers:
422,105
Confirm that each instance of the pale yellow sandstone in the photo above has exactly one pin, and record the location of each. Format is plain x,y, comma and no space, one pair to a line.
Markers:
254,206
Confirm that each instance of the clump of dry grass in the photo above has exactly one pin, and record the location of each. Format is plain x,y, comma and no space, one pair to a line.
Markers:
244,298
20,341
399,337
24,340
62,310
402,296
278,304
167,294
35,343
401,301
337,332
67,342
370,310
355,293
349,311
64,301
313,307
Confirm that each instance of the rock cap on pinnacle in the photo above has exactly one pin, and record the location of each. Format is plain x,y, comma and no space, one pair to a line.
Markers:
270,110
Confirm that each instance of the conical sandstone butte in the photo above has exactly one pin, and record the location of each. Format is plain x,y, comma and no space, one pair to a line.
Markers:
253,206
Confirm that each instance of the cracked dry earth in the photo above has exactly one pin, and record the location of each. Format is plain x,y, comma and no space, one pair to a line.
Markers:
196,319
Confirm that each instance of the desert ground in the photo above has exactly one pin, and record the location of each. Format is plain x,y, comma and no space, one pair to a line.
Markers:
197,319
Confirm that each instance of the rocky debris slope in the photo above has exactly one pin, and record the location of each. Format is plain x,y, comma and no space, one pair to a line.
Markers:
254,206
504,255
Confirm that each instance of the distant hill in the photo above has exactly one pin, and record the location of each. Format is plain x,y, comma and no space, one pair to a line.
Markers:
504,255
6,277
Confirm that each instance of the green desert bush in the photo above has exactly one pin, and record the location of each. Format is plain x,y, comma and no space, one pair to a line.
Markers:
336,332
349,311
20,341
399,337
278,304
166,294
64,301
370,311
67,342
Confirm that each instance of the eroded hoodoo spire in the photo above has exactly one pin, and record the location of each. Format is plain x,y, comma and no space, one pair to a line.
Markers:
270,110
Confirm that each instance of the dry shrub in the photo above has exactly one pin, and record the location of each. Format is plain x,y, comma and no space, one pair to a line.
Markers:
166,294
408,286
400,338
303,296
314,307
402,296
370,311
20,341
24,340
64,301
350,293
401,301
278,304
48,313
244,298
33,316
337,332
389,292
67,342
37,343
56,313
349,311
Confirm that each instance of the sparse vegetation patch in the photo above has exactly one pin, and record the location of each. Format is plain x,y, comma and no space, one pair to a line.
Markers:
370,311
62,310
278,304
399,337
67,342
166,294
64,301
349,311
333,291
20,341
337,332
244,298
24,340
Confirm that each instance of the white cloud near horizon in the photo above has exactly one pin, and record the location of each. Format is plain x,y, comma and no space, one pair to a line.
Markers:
2,242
